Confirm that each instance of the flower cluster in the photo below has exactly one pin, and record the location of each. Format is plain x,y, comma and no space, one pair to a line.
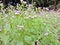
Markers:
31,16
20,27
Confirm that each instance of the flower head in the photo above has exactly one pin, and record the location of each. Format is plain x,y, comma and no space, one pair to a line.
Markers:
37,42
46,33
20,27
13,16
17,12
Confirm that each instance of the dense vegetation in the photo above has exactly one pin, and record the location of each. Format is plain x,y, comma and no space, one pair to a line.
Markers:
25,27
38,3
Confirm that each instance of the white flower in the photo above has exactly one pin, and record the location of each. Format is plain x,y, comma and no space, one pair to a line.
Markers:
0,29
37,42
26,13
21,0
46,33
17,12
47,9
13,16
24,2
1,4
20,27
